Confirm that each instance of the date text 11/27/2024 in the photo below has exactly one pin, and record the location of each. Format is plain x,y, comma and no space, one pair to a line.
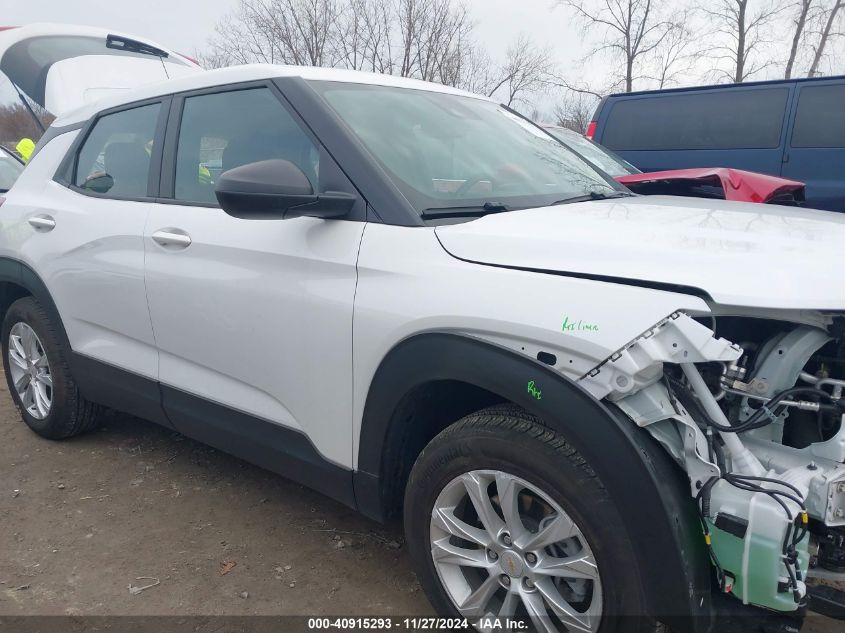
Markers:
417,624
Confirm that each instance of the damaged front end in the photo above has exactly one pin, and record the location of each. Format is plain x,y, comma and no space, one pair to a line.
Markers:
752,408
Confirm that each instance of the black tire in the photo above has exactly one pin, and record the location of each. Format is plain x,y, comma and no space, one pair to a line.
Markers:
70,414
509,439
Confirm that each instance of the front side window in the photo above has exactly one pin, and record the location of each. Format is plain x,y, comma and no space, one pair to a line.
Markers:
115,158
446,151
224,130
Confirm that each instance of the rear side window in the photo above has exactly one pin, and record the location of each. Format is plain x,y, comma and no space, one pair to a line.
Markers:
115,158
820,119
722,119
224,130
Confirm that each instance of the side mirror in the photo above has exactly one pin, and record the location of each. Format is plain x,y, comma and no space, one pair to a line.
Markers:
276,189
100,182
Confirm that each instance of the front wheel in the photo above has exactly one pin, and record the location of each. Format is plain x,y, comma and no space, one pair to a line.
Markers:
506,521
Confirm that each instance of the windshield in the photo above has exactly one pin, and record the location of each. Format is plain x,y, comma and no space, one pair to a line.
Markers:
602,158
10,169
447,151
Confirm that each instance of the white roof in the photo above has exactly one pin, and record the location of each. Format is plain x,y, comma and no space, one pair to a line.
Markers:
252,72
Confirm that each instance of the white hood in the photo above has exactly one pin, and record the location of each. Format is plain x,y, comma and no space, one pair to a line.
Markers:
63,66
740,254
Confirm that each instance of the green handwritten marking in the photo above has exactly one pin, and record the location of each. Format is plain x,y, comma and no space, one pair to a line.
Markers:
532,389
578,326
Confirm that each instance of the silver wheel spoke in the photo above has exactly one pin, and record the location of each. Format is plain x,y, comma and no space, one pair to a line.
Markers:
508,489
559,529
572,567
444,552
571,618
41,404
537,612
28,341
446,520
476,487
476,603
509,605
22,383
29,370
41,397
504,551
15,341
17,358
28,398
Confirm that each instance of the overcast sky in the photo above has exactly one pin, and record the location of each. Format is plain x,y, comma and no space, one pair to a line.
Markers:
185,25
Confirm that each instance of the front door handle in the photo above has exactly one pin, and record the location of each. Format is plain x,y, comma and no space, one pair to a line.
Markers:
172,239
42,223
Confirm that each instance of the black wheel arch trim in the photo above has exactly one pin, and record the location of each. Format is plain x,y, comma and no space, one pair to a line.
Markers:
640,477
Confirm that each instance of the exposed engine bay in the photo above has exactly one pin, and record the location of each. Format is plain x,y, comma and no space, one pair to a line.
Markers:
752,408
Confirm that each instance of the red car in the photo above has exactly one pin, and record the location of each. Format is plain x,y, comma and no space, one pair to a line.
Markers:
706,182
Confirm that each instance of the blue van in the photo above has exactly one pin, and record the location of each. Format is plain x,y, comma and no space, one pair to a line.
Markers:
792,128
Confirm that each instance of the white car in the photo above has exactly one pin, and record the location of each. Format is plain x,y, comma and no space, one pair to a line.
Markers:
587,404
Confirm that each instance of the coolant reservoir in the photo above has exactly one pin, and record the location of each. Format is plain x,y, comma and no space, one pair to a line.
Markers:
748,530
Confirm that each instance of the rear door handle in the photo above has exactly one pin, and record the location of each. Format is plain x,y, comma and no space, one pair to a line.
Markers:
172,239
42,223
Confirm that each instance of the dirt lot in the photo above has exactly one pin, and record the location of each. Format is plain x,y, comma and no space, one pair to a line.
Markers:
86,519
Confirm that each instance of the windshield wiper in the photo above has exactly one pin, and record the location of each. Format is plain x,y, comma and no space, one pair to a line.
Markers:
475,209
594,195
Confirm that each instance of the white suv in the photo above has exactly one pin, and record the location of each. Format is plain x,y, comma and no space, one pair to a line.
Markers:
413,299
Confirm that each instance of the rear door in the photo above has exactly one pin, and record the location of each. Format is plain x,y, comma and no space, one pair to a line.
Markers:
816,148
743,128
83,233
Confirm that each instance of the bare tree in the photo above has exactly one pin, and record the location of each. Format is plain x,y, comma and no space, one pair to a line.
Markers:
800,24
363,36
575,111
828,21
432,36
425,39
745,28
527,69
16,122
277,31
676,54
630,29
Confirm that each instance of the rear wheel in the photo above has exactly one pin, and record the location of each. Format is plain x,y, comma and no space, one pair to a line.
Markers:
506,520
38,376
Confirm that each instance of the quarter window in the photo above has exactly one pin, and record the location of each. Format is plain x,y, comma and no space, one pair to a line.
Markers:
722,119
820,120
224,130
115,158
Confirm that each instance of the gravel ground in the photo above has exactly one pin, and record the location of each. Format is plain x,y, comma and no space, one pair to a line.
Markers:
84,519
89,522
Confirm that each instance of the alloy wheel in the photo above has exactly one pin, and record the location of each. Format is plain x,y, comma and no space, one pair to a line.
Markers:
30,371
503,548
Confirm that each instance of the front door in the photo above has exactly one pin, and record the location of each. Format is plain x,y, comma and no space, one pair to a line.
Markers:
816,150
252,318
